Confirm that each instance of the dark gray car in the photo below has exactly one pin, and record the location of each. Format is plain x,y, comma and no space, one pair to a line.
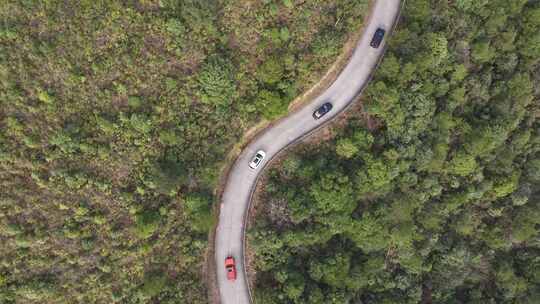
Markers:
377,38
322,110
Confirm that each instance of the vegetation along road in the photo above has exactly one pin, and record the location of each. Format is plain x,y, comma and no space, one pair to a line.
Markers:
242,179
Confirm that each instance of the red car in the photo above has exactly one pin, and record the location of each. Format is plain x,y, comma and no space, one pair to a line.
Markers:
231,268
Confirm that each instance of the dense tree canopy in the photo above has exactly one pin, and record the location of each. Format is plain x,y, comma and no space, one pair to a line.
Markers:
436,200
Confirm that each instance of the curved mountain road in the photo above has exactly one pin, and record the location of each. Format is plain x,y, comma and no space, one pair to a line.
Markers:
229,239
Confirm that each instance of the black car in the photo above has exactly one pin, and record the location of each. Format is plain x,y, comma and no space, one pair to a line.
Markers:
377,38
322,110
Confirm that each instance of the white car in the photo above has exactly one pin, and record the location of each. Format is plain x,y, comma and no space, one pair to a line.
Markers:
257,159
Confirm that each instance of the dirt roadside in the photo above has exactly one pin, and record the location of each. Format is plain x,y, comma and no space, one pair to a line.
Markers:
208,269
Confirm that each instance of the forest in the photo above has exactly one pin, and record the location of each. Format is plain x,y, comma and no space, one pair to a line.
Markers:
432,195
116,117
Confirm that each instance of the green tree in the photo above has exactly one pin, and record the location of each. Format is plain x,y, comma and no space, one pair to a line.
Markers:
198,206
271,71
462,164
507,280
165,176
369,234
482,52
438,45
346,148
154,283
376,175
216,82
333,192
147,222
524,225
332,270
271,104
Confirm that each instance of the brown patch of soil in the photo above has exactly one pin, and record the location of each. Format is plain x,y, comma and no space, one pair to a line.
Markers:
426,295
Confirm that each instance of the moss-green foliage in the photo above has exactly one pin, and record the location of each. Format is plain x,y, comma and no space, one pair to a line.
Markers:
115,119
438,202
153,284
199,209
147,223
346,148
216,82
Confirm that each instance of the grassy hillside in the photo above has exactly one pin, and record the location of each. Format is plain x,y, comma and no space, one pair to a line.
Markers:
115,118
436,197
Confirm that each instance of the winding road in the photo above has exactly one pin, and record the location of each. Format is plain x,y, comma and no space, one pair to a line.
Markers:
229,239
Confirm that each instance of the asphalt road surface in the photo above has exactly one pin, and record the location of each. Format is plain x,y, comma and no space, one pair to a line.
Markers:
242,179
